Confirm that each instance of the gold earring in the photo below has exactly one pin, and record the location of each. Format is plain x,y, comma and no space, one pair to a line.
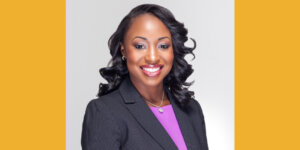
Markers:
123,58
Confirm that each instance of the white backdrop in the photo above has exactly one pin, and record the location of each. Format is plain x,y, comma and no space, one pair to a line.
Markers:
210,22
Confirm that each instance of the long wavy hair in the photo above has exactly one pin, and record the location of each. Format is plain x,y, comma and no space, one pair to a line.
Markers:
175,81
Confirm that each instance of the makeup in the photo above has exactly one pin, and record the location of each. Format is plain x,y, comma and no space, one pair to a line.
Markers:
151,70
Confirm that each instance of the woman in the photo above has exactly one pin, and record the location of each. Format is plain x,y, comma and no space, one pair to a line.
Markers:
146,104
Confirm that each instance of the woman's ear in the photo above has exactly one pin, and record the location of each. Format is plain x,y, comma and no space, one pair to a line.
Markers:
122,48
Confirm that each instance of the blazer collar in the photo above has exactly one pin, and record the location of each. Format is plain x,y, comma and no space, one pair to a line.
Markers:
144,116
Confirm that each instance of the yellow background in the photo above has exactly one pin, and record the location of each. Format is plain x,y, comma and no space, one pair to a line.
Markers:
32,78
267,72
32,59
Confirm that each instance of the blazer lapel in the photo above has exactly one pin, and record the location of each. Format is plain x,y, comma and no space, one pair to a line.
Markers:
144,116
182,119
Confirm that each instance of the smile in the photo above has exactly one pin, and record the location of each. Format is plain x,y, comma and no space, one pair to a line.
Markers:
151,70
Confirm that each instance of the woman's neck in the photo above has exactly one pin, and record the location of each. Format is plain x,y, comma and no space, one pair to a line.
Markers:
152,94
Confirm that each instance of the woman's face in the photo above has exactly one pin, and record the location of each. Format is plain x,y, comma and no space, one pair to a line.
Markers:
148,49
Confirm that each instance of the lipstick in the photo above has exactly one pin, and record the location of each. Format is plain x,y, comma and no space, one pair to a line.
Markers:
151,70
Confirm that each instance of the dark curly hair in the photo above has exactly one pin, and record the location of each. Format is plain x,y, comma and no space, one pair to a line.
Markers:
175,81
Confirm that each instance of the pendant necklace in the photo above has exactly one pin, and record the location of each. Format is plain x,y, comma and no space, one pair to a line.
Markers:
160,109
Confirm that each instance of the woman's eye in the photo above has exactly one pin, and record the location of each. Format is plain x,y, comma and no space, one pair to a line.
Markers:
164,46
139,46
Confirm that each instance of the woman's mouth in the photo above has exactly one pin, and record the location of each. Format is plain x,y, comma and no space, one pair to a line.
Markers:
151,70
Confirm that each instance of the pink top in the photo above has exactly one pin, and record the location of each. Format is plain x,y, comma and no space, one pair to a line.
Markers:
168,120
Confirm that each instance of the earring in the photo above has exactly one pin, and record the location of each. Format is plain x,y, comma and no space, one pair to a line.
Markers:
123,58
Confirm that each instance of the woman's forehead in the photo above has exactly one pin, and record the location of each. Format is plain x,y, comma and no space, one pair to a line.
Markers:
149,26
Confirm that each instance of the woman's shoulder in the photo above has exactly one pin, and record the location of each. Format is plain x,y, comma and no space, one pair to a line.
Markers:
106,104
107,99
194,108
112,102
196,104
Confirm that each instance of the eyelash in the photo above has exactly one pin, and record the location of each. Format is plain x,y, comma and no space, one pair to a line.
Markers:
139,46
164,46
142,46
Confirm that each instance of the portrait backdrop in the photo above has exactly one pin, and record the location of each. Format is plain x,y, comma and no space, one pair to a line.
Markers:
89,25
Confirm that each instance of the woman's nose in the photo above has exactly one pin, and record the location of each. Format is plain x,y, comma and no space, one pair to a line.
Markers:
152,55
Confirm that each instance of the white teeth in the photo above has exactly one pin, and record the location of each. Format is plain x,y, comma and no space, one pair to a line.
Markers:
151,69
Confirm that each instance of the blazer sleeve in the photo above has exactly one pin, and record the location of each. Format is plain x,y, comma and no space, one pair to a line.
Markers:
204,137
99,131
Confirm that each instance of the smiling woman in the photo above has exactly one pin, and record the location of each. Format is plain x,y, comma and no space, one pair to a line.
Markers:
149,52
146,103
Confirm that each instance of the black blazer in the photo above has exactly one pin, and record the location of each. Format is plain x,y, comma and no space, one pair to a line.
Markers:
121,120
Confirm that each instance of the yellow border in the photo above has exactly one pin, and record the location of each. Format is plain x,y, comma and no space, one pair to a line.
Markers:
32,60
267,74
32,82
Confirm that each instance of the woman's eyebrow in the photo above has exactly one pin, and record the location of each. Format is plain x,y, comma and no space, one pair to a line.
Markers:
140,38
165,37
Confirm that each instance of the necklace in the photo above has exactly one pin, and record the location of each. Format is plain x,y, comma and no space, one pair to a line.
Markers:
160,109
